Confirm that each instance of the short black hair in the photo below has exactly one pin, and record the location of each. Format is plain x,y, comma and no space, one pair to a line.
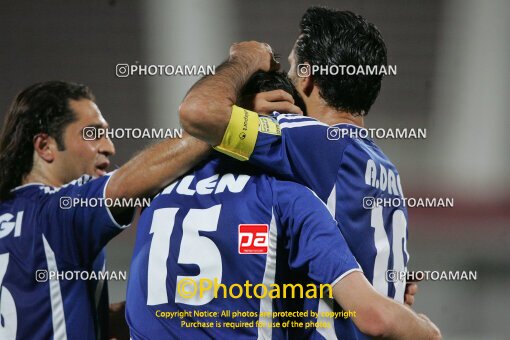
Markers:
269,81
40,108
333,37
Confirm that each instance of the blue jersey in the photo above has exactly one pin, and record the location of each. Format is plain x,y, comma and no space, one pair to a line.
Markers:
351,174
42,235
227,223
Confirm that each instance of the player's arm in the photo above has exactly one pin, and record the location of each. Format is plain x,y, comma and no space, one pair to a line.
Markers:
316,244
81,225
379,316
206,110
311,235
209,113
154,168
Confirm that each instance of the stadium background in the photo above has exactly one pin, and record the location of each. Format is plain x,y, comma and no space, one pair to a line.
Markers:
453,79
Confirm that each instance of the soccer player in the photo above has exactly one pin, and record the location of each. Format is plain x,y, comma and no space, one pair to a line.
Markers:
193,238
324,150
42,232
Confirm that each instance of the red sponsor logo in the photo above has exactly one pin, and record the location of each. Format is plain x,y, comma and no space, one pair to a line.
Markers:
253,238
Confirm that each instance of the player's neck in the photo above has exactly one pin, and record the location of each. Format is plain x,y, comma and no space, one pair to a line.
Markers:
37,176
331,116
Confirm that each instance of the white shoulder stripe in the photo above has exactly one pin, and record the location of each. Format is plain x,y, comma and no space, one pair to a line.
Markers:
331,204
26,185
291,125
333,194
57,306
288,116
280,117
325,308
266,303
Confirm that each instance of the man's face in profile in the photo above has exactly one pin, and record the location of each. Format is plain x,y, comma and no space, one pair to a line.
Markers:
297,80
84,156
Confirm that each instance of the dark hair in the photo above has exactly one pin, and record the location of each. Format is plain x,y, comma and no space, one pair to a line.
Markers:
40,108
269,81
332,37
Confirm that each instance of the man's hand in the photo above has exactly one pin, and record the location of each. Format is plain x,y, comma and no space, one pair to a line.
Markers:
411,290
153,169
254,54
377,315
276,100
205,112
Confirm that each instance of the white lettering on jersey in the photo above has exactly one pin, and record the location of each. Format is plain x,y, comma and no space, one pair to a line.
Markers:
7,225
214,184
384,179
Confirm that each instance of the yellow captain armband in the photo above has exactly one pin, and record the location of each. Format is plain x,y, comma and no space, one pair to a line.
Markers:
241,134
270,126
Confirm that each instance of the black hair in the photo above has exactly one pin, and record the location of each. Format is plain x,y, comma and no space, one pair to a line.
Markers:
40,108
332,37
269,81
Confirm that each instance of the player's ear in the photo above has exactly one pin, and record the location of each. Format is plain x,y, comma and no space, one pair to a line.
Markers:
307,85
45,147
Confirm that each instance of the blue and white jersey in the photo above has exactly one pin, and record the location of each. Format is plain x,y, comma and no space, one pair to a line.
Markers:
43,235
350,174
223,221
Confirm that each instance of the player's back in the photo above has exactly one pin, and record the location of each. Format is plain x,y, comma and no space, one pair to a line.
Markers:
367,203
370,210
184,228
359,183
40,240
196,232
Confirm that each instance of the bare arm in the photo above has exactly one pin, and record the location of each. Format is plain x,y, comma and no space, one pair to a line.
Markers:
154,168
379,316
205,111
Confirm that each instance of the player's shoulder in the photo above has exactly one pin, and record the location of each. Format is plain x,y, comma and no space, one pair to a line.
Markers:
356,140
84,179
40,191
25,198
366,149
31,192
288,191
290,120
315,133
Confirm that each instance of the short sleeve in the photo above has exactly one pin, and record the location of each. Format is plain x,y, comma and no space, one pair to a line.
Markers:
304,152
78,219
312,236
